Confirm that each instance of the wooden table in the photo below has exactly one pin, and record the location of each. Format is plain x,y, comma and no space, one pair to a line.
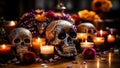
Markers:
103,63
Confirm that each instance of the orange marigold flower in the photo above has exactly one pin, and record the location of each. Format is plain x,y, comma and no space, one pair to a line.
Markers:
88,15
101,5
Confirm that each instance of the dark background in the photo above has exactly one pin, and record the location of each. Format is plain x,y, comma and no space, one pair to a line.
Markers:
13,9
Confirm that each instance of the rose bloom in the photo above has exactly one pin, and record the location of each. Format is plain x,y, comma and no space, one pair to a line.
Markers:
101,5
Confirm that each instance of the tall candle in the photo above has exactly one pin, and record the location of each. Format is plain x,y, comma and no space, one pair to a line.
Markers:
5,49
86,44
48,49
98,40
37,42
111,38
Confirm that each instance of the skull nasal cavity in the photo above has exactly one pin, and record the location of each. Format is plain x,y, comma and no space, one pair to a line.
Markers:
22,43
69,39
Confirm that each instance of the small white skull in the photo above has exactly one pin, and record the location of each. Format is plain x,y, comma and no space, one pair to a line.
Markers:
87,28
62,34
21,39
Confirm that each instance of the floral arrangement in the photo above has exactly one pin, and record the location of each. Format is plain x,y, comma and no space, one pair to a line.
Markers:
36,20
88,16
101,5
31,19
76,19
51,15
37,14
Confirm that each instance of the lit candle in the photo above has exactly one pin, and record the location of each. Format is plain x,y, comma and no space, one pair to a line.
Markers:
10,25
86,44
98,40
48,49
110,38
82,36
101,33
37,42
5,49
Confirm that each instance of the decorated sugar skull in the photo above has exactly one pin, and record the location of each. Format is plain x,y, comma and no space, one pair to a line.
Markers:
21,39
87,28
62,34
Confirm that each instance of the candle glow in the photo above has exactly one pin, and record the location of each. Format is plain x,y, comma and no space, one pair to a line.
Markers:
101,33
12,23
86,44
82,36
5,49
48,49
98,40
110,38
37,42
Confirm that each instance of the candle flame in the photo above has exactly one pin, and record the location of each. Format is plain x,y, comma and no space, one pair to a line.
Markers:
12,23
3,46
101,32
85,41
38,39
110,35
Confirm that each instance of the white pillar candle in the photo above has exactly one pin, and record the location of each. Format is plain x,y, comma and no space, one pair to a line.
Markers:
48,49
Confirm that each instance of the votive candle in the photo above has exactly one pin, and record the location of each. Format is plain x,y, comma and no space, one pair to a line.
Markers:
110,38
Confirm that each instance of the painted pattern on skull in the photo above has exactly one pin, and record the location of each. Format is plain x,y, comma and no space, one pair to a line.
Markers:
62,34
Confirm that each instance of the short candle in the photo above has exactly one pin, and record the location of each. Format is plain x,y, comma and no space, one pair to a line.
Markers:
5,49
98,40
48,49
86,44
82,36
111,38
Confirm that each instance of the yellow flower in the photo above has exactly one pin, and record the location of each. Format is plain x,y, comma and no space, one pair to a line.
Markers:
88,15
101,5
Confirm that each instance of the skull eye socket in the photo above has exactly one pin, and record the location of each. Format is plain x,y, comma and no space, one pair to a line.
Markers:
72,34
17,40
89,31
62,36
27,40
